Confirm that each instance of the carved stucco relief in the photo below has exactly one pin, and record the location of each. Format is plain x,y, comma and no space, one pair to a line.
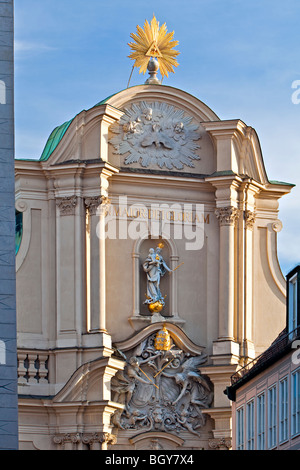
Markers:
162,390
156,134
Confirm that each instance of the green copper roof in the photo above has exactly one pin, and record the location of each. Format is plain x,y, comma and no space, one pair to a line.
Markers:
54,139
282,183
58,133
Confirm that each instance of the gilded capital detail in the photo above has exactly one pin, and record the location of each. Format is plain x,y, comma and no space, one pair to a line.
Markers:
227,215
67,205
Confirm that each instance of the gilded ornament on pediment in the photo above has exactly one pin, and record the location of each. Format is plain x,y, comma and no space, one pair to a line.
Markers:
162,340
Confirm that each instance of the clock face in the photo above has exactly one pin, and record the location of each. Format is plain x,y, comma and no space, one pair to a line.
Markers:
161,389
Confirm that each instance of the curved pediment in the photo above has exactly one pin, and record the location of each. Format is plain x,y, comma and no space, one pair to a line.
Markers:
157,128
169,95
174,138
250,155
86,382
177,334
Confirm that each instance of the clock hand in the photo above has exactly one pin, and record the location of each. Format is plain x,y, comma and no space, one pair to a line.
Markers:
148,377
164,367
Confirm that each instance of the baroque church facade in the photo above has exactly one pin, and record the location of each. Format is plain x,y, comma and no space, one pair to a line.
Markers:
147,274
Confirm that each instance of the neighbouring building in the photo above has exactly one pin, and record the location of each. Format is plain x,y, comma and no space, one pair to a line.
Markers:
266,392
8,331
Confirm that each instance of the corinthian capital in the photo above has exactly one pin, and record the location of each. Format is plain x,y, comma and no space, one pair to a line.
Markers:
249,219
220,444
93,204
67,205
227,215
99,438
71,439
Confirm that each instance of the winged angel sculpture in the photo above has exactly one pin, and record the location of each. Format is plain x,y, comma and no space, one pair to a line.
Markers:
156,134
162,390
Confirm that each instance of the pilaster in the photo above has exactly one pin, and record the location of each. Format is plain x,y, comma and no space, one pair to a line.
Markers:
96,209
221,411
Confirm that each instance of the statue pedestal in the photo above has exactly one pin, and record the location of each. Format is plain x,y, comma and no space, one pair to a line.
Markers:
157,317
140,321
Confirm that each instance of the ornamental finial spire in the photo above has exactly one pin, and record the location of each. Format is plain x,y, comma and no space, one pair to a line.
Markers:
152,49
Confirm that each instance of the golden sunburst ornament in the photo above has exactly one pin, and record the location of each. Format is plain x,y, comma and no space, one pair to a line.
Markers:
154,42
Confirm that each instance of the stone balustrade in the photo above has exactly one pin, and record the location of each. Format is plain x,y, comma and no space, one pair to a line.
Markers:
33,367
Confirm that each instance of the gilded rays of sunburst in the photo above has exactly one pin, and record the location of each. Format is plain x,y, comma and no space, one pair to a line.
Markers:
154,41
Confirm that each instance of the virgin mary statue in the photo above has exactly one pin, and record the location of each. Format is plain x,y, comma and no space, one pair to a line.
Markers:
155,267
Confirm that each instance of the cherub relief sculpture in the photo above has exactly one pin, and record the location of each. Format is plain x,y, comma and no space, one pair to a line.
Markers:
162,390
123,384
156,133
188,379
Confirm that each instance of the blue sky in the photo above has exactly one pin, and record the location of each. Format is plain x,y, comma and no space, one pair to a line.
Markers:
240,58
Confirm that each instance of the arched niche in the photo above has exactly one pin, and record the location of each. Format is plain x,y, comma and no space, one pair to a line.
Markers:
141,314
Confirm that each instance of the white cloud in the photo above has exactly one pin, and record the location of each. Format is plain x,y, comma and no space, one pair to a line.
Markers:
24,46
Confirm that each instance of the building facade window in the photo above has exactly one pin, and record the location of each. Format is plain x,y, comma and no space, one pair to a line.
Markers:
19,230
295,403
250,425
292,303
283,410
261,413
293,300
272,416
240,429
